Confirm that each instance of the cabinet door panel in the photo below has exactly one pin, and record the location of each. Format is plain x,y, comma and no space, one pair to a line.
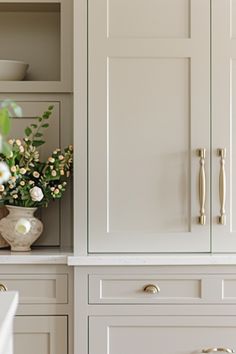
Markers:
224,122
170,335
148,114
40,335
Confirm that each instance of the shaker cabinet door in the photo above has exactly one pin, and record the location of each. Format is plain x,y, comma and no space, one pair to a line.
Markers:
40,335
169,335
224,125
148,104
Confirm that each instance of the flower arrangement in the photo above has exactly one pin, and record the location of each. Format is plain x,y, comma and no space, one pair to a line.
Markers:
32,182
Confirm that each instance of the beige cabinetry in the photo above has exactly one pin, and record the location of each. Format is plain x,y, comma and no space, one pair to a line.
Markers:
148,104
158,334
45,311
40,335
170,309
156,100
41,34
224,121
161,86
57,218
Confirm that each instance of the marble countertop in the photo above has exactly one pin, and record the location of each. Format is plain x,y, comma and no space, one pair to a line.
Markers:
8,306
57,256
151,260
36,256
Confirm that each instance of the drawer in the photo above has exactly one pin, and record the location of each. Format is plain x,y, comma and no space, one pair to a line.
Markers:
158,334
143,289
40,335
38,288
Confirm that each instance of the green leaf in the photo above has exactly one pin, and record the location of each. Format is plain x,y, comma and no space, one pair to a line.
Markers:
37,143
28,131
5,121
34,126
46,115
46,125
6,149
50,108
38,135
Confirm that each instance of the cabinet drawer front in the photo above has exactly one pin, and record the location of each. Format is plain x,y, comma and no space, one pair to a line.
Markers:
38,288
131,289
169,335
40,335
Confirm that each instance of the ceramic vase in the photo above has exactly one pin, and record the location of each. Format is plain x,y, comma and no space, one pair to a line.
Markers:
3,213
20,228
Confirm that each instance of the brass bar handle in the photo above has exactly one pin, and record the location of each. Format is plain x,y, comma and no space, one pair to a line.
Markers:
152,289
222,186
202,186
214,350
3,287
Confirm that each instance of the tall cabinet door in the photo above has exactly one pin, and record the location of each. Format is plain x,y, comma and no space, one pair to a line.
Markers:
224,125
148,104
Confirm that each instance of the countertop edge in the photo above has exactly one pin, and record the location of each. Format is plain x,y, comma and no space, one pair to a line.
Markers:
44,257
167,260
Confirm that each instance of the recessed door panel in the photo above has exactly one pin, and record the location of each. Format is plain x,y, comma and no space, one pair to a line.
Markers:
148,18
171,335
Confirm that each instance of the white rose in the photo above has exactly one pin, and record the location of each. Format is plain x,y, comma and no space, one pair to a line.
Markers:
36,194
4,172
23,226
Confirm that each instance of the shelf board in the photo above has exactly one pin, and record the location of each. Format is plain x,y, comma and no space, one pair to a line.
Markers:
30,7
34,86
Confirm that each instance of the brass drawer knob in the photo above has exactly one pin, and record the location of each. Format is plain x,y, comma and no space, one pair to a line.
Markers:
152,289
3,287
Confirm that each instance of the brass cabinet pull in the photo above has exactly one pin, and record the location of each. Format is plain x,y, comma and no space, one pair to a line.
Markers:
202,186
222,186
3,287
152,289
213,350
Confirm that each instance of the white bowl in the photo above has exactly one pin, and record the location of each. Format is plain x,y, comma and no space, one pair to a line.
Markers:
12,70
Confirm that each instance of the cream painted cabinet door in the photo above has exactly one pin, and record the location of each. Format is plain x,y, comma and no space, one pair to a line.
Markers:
168,335
148,104
224,125
40,335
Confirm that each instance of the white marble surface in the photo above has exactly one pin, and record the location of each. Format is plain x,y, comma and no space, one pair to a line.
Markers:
39,256
8,306
165,259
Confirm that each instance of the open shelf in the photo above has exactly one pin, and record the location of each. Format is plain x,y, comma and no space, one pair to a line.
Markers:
38,33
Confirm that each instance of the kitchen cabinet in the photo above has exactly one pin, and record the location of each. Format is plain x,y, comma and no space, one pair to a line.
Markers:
46,48
155,96
40,335
172,309
155,334
223,122
161,126
45,313
149,114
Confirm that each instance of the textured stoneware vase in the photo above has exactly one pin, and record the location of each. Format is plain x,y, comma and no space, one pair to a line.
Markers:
3,213
18,240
